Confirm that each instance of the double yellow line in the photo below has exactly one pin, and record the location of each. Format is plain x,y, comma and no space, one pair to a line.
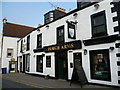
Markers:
27,83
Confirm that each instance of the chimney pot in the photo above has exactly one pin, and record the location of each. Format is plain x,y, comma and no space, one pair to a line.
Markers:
4,20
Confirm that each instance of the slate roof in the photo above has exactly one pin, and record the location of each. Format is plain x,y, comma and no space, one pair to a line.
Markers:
15,30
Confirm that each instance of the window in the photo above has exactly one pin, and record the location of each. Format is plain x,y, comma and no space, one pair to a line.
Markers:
27,62
51,14
48,61
60,34
99,27
71,31
39,41
9,52
39,63
100,65
28,42
21,46
48,17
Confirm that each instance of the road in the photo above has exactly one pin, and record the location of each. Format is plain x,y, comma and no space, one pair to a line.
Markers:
11,84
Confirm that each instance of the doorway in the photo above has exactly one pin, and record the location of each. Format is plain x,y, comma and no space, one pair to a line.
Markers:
20,63
61,65
12,66
77,60
39,63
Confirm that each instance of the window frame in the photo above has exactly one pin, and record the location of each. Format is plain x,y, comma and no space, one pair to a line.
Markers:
48,62
58,37
39,65
11,52
95,64
28,43
102,13
21,46
27,62
38,41
47,17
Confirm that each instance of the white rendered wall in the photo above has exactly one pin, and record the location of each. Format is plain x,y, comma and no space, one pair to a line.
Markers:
83,32
9,42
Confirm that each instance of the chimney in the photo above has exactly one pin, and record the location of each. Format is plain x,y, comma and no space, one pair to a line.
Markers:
39,25
4,20
60,9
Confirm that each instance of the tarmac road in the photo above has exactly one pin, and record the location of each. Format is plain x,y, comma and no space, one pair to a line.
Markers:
11,84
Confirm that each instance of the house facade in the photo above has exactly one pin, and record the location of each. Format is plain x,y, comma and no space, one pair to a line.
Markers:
10,35
86,37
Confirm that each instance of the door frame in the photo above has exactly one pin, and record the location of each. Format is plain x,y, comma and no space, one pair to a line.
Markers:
56,64
39,56
80,58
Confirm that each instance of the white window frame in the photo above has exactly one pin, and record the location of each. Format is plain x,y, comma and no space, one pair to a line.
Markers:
12,50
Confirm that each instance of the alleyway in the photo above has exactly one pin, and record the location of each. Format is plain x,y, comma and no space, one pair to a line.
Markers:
40,82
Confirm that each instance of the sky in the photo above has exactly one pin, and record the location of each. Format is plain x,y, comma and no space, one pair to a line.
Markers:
31,13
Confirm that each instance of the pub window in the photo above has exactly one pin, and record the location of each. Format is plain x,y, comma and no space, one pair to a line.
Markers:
9,52
99,27
39,63
48,61
39,41
28,62
100,65
21,46
71,31
60,34
28,42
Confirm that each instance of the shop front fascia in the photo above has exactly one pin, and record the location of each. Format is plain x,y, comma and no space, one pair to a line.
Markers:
60,47
61,61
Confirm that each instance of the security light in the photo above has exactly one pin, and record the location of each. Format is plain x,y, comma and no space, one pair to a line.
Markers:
97,6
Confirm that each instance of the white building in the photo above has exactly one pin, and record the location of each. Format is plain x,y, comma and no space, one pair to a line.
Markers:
11,34
86,37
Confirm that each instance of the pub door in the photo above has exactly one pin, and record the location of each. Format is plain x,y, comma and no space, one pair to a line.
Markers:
61,67
77,60
78,69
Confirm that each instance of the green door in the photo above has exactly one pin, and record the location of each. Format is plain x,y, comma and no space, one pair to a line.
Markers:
60,68
61,65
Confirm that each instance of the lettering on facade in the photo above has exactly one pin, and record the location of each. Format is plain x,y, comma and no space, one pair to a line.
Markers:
61,47
65,46
53,48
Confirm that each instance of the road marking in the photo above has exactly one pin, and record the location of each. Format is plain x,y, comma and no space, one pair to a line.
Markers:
28,84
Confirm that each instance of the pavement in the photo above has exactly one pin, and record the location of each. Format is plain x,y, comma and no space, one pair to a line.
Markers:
41,82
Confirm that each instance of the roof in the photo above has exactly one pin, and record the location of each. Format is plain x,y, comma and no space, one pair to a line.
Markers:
15,30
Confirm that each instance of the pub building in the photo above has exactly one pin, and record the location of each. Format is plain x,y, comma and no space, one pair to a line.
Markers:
87,36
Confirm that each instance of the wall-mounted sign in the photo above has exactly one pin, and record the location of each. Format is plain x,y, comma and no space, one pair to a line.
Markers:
66,46
60,47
